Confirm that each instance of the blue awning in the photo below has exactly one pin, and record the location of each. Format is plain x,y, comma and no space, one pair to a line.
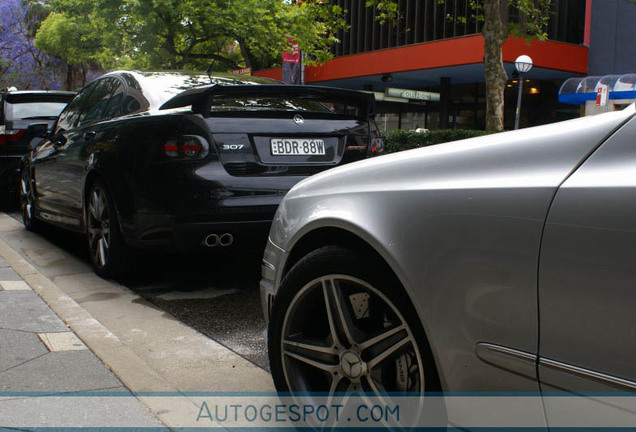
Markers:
577,91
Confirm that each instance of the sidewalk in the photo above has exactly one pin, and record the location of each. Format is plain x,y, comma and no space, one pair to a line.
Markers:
41,356
80,351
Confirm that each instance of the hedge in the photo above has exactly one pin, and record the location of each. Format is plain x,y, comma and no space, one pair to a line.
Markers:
398,140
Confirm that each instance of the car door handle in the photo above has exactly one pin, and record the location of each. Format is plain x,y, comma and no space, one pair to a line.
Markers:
89,135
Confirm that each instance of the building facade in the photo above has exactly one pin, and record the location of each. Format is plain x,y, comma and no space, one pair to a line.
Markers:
612,37
435,51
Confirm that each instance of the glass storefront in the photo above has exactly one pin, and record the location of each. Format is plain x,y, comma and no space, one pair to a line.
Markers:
468,108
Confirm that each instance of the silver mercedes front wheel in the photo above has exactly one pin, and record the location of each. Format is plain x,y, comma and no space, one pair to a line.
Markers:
341,325
356,341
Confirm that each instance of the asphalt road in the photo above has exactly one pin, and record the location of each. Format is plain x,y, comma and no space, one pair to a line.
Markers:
215,293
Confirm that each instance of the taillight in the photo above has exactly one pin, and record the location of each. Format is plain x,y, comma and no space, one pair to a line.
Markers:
356,143
377,145
185,147
171,148
191,149
10,135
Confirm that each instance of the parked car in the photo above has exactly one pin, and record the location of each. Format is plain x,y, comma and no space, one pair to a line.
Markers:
173,161
502,263
19,109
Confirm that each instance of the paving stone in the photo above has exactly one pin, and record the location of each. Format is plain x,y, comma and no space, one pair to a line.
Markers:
60,372
78,413
24,310
14,286
19,347
66,341
8,274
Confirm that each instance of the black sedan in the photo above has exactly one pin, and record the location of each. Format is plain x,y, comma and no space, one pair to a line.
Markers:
19,109
172,161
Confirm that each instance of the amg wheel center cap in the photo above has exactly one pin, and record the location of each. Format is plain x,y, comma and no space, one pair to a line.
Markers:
352,365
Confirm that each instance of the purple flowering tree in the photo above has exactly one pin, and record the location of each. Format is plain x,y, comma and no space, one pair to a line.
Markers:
21,64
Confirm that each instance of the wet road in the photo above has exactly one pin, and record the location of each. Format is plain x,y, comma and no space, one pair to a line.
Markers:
214,293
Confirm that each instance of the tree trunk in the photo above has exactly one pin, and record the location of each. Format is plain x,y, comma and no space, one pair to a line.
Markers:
69,81
250,60
74,77
495,34
83,73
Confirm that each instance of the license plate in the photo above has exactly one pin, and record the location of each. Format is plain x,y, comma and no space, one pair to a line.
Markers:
297,147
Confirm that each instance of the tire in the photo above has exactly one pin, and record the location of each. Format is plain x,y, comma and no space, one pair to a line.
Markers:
27,202
110,255
305,356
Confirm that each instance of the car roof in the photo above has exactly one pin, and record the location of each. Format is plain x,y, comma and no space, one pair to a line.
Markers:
159,86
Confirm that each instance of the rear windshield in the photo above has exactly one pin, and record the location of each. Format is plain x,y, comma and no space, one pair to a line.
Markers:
165,85
245,103
237,94
33,110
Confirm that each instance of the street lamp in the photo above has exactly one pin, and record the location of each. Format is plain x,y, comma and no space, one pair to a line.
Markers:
523,64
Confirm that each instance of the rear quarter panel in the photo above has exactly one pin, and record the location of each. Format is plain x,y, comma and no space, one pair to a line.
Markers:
130,161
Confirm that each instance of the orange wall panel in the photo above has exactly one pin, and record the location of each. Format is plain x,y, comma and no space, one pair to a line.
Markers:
445,53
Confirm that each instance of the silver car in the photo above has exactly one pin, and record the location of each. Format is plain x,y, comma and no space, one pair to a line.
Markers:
504,263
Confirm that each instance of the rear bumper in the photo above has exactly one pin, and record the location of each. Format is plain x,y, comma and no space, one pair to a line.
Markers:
191,237
234,228
175,208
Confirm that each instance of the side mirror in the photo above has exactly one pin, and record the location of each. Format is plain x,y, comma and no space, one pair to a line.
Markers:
38,130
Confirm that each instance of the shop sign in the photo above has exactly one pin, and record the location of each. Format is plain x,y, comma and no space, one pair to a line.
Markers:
243,71
412,94
601,95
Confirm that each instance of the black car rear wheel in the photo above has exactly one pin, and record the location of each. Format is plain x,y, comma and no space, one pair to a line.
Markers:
340,324
109,253
27,202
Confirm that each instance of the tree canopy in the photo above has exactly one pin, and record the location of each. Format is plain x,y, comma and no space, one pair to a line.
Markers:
186,34
21,64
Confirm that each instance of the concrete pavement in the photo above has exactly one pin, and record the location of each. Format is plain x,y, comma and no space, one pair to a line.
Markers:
42,357
65,330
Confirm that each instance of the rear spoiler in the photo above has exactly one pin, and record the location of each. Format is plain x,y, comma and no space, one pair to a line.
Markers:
199,97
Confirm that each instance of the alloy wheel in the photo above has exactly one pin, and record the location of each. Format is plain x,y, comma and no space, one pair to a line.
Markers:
98,225
342,335
27,201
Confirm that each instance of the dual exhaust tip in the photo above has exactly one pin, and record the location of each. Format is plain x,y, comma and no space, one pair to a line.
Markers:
214,240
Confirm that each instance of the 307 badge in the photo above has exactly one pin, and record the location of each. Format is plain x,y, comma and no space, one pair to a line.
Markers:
232,146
